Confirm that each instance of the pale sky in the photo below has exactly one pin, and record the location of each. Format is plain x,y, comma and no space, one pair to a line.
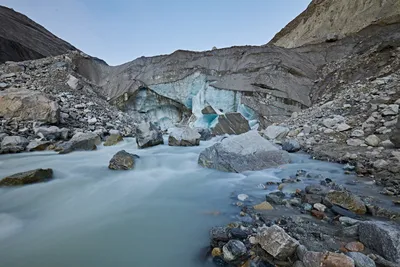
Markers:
119,31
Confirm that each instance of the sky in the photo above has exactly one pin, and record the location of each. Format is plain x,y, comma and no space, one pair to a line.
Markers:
119,31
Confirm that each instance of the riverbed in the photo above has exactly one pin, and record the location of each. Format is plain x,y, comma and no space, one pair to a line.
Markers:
158,214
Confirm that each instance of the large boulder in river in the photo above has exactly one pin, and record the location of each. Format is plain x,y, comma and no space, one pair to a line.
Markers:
277,242
185,136
29,177
80,141
346,200
245,152
231,123
122,161
13,144
148,135
22,104
383,237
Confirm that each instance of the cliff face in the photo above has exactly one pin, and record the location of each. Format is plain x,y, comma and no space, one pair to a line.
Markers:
324,18
23,39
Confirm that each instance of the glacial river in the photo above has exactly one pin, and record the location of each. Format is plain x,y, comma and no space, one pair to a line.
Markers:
158,214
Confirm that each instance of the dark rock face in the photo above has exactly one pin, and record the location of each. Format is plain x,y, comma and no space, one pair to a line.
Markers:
29,177
122,161
231,123
23,39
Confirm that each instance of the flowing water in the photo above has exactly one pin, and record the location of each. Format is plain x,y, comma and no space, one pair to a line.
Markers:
156,215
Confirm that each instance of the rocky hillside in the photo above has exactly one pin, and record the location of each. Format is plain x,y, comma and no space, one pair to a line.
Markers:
23,39
329,20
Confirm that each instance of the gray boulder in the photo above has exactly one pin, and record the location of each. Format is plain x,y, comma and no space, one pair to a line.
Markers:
382,237
52,133
38,145
148,135
231,123
29,177
233,250
113,139
277,242
205,134
80,141
291,146
245,152
23,105
361,260
14,144
122,161
274,132
184,137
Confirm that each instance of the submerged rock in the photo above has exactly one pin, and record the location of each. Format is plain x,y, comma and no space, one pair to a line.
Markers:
148,135
383,237
244,152
231,123
29,177
277,242
80,141
347,200
184,137
122,161
113,139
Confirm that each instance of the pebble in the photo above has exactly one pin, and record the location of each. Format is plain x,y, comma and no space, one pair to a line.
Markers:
242,197
355,246
320,207
264,206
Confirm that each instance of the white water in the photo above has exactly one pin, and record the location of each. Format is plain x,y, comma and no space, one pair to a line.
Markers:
156,215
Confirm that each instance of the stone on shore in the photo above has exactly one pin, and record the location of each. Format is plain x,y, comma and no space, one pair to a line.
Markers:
185,136
13,144
361,260
80,141
122,160
245,152
113,139
291,146
346,200
233,250
148,135
274,132
29,177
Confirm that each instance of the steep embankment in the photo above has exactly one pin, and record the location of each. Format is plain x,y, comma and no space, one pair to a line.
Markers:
336,19
23,39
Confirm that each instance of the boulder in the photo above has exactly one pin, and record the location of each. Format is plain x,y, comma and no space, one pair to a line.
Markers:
383,237
38,145
245,152
184,137
205,134
361,260
391,110
343,127
346,200
148,135
277,242
74,83
29,177
52,133
263,206
326,259
122,160
80,141
231,123
274,132
233,250
372,140
113,139
23,105
291,146
13,144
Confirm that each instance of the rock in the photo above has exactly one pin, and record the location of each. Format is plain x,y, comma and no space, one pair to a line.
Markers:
238,233
395,137
336,260
357,133
233,250
320,207
29,177
390,110
355,142
316,189
387,144
333,122
263,206
205,134
231,123
318,214
242,197
24,105
312,259
301,252
92,121
122,161
38,145
361,260
277,242
148,135
298,264
52,133
382,237
343,127
355,246
74,83
14,144
331,37
216,252
372,140
343,212
291,146
380,164
312,199
244,152
274,132
219,234
183,137
80,141
348,221
113,139
346,200
208,110
275,197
